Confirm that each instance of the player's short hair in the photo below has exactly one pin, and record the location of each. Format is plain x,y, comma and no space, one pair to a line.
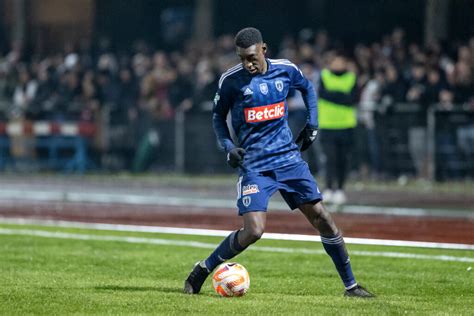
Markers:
247,37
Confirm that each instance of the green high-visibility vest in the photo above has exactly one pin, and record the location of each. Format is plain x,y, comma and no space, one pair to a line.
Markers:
333,115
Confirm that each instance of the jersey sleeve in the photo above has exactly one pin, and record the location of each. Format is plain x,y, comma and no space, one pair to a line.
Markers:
222,104
300,82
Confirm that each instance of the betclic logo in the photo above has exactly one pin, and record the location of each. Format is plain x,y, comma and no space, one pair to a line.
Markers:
265,112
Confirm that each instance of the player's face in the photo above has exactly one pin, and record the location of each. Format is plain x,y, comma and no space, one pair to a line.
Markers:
253,58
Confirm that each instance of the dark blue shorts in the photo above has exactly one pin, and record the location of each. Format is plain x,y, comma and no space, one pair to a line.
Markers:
295,183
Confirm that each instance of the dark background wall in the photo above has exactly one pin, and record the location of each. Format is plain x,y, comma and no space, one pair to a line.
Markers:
461,19
362,20
348,20
124,21
158,21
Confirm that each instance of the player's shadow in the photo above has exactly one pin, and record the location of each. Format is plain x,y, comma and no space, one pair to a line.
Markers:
138,288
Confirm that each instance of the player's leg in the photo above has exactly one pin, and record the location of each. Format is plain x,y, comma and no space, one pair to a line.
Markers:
231,246
300,190
236,242
254,227
334,245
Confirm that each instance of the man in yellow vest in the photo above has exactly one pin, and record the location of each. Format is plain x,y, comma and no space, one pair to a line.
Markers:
337,120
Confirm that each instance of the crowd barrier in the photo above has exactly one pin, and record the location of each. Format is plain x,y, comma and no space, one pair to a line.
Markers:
44,144
437,143
404,139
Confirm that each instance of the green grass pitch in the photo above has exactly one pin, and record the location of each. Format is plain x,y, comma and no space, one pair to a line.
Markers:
122,275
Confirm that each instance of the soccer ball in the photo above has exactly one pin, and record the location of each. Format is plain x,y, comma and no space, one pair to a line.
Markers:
231,279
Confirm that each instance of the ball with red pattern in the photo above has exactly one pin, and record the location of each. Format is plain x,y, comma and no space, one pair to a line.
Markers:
231,279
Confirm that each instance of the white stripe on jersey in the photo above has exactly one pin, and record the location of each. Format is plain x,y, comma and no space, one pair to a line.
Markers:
239,187
229,72
285,62
232,68
277,60
281,61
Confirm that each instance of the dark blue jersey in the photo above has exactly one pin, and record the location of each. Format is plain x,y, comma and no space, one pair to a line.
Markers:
259,113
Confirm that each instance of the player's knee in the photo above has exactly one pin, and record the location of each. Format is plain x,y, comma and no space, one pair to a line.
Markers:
321,219
316,213
255,233
321,213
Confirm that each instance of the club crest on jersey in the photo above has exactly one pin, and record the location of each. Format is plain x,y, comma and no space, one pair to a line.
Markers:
263,88
250,189
279,85
246,201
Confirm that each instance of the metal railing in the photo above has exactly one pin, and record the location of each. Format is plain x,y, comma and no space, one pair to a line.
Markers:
436,143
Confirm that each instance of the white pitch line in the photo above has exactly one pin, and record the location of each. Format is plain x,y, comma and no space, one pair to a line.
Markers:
195,244
223,233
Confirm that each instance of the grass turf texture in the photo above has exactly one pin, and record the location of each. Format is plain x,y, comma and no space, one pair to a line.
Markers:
64,276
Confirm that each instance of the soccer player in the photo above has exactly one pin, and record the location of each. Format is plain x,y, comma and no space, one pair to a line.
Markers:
268,159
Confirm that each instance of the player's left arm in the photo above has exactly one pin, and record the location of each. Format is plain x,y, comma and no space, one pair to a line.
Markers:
300,82
310,98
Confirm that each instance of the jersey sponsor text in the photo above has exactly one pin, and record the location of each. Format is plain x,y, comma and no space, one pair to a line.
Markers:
265,112
250,189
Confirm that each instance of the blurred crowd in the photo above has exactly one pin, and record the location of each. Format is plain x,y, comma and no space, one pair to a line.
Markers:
76,82
142,85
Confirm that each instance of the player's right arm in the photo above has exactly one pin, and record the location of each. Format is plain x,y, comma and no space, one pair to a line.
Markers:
222,104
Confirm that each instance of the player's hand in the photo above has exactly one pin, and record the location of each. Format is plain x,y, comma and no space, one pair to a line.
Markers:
307,137
235,157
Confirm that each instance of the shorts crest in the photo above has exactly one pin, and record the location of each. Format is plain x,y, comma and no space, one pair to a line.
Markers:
246,201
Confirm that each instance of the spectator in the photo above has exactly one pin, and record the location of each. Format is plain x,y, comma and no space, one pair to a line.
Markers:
69,104
90,97
369,102
181,91
24,93
417,136
108,89
337,121
128,93
205,86
46,96
434,87
463,83
416,83
393,90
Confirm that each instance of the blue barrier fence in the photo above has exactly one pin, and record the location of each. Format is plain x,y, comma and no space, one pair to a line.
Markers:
437,144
